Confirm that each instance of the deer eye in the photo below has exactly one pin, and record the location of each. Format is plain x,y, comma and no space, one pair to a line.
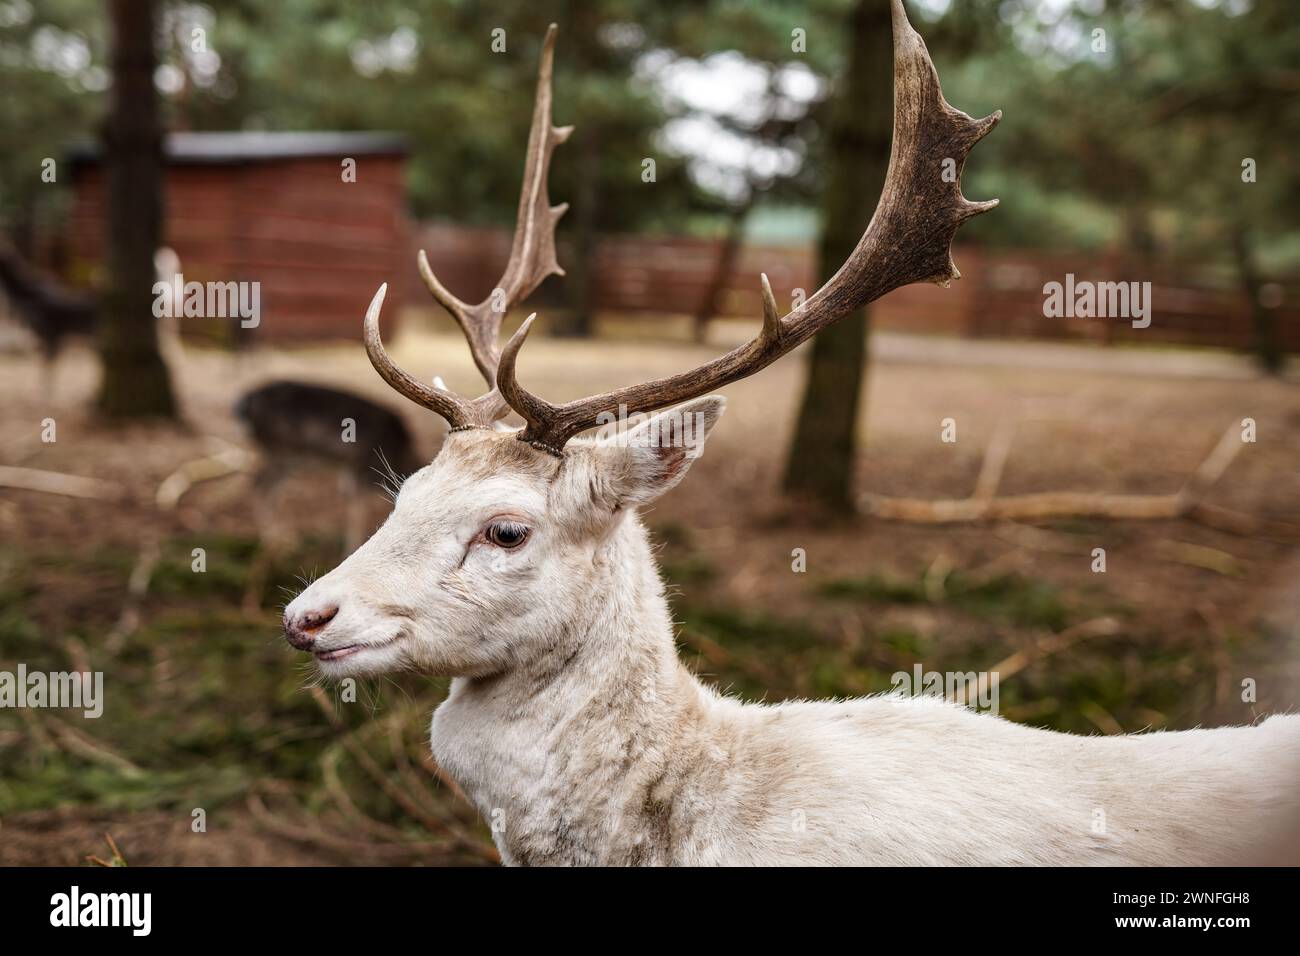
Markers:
506,534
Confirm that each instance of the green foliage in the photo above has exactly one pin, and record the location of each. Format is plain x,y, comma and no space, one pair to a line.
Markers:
1137,146
1133,679
1152,130
199,702
1009,598
52,70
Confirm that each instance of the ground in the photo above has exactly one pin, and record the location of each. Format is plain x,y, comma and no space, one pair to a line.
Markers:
215,748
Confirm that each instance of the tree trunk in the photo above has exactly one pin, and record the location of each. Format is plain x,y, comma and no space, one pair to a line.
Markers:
723,266
136,382
1268,350
580,278
820,466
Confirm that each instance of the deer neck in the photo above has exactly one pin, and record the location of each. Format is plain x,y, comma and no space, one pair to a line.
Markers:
562,753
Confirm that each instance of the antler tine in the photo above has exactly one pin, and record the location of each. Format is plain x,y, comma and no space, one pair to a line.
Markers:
909,239
532,251
542,418
532,259
449,406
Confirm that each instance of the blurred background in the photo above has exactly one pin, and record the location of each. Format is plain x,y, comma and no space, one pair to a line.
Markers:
927,483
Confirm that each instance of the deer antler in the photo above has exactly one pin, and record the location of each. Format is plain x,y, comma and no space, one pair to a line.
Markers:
908,240
532,259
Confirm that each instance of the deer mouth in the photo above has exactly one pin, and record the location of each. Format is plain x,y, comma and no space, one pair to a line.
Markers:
348,650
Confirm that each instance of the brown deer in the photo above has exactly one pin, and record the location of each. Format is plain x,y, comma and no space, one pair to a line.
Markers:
305,428
51,311
516,564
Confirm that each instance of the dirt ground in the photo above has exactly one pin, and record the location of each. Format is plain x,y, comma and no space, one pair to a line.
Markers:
207,709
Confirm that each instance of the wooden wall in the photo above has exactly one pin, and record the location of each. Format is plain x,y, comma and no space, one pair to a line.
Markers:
320,247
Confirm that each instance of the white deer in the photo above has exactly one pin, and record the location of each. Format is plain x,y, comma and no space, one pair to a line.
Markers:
516,564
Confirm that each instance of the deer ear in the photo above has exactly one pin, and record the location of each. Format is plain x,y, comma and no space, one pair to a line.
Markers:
639,464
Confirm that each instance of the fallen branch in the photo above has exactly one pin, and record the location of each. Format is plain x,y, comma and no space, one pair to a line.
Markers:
432,766
418,786
1199,556
58,483
396,793
80,744
995,461
228,459
1101,718
984,505
355,816
1054,644
718,656
413,850
1043,647
137,586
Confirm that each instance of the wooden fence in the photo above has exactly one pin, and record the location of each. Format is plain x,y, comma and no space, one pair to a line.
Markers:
1000,295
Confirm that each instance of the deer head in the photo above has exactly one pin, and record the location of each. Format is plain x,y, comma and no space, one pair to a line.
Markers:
490,551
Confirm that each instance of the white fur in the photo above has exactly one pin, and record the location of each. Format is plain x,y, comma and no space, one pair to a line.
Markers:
581,738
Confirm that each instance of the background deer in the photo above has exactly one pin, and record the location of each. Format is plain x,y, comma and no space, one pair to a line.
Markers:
298,427
516,564
51,311
55,313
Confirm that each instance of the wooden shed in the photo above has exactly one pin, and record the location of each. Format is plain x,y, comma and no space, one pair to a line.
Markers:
279,209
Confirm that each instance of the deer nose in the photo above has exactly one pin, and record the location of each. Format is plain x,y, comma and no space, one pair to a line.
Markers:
300,629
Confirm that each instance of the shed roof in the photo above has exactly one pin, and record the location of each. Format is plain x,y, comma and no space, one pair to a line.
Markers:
255,147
